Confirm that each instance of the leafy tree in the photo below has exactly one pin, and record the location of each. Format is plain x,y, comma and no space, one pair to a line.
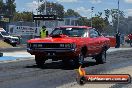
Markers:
129,20
113,13
11,7
98,23
107,13
108,30
17,17
52,8
23,16
83,21
99,14
1,6
71,12
8,9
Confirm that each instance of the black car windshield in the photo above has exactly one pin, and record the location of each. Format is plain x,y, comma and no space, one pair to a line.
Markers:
71,32
5,33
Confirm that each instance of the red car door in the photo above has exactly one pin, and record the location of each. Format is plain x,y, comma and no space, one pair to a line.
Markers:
87,41
97,43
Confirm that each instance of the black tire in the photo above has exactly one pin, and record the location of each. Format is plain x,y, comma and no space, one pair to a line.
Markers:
14,45
81,80
65,62
101,58
7,41
79,60
40,60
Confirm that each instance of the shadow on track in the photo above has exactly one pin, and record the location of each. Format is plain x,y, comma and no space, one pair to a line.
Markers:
59,65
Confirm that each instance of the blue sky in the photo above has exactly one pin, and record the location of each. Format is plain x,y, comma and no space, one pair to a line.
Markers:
81,6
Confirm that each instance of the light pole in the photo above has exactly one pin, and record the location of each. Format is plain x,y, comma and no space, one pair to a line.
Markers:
118,16
91,16
37,14
38,8
45,5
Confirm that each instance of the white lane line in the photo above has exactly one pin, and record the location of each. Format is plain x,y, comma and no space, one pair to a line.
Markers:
118,49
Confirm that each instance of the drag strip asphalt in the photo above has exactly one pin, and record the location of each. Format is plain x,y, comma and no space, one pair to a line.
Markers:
25,74
19,54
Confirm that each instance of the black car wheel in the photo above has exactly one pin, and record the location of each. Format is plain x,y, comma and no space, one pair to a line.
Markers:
40,60
79,60
65,62
7,41
14,44
101,58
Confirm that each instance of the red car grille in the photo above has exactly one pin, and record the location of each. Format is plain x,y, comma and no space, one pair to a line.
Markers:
45,45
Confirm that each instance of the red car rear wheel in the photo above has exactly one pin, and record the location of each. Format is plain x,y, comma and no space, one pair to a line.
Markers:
101,58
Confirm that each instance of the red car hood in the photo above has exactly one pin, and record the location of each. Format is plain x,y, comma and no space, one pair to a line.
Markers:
53,40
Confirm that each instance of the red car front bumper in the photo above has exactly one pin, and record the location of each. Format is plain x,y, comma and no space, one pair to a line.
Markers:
54,53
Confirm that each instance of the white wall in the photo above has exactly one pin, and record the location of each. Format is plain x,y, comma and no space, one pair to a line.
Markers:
26,30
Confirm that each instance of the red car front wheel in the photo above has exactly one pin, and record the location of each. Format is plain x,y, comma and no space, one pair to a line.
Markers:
40,60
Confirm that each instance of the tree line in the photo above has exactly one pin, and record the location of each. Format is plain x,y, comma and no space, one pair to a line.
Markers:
8,8
100,21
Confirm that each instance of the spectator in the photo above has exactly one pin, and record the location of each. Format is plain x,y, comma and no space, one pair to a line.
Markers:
122,39
117,40
43,32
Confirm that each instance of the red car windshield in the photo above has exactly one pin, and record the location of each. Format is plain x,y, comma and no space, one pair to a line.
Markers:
71,32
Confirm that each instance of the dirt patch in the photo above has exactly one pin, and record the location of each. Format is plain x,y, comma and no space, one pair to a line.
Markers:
4,44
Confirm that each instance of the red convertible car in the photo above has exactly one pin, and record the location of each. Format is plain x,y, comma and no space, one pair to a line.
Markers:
70,43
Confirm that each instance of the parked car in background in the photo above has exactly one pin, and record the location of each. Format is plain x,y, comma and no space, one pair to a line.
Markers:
130,39
6,37
70,43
